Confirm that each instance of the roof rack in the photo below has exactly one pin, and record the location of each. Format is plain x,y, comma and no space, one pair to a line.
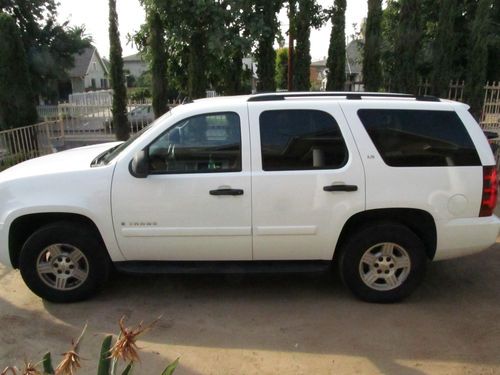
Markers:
348,95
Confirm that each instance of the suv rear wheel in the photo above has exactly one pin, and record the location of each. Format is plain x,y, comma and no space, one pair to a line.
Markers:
64,262
383,262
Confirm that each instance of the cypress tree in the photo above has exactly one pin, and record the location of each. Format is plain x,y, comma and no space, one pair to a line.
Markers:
302,56
265,54
444,48
337,49
197,79
17,105
119,107
158,63
407,47
477,57
281,68
372,70
494,47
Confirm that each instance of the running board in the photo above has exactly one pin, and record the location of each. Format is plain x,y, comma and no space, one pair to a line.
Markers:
156,267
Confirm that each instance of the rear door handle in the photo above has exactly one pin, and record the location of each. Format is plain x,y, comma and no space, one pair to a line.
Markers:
340,188
226,192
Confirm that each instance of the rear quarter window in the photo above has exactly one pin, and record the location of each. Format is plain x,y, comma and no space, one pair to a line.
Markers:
419,138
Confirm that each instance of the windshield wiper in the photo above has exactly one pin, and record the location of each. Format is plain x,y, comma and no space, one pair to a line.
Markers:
100,158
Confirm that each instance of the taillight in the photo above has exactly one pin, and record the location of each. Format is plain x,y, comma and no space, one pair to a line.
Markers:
490,191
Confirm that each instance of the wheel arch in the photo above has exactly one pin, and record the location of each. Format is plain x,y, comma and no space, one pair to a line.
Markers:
24,226
419,221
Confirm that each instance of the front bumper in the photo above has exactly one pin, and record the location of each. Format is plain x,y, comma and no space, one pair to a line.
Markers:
4,246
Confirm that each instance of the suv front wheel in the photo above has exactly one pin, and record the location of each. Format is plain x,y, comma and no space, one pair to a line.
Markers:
64,262
383,262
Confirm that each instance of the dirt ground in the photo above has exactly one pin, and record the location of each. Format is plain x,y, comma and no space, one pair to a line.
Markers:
273,324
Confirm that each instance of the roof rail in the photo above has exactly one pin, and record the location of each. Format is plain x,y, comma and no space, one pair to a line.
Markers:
348,95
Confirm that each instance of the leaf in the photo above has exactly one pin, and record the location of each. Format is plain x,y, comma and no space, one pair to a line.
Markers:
104,360
128,369
169,370
76,344
47,364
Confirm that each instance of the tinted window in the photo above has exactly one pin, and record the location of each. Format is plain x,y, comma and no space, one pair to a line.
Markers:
200,144
300,139
413,138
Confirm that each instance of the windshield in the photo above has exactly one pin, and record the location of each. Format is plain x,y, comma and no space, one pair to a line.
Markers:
114,151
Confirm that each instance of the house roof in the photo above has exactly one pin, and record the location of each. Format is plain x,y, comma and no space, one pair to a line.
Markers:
82,62
320,63
134,57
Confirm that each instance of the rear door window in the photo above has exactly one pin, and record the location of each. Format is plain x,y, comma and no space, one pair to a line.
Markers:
301,140
419,138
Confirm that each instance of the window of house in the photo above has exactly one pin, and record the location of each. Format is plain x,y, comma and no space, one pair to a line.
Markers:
201,144
301,140
93,83
419,138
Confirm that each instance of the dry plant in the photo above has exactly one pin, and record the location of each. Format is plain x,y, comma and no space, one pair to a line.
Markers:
125,349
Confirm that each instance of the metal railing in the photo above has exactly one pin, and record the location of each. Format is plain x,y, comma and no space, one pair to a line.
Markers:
86,124
490,117
20,144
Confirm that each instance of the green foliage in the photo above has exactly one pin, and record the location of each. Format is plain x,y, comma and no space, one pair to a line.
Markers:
266,15
237,30
281,68
145,80
372,70
197,65
477,57
407,47
50,46
444,47
119,107
104,359
169,370
159,60
138,94
47,364
493,70
205,43
337,49
390,22
16,96
309,14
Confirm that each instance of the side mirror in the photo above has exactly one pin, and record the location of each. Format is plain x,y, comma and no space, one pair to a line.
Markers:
139,166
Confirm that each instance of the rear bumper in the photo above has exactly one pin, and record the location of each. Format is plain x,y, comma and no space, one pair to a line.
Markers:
461,237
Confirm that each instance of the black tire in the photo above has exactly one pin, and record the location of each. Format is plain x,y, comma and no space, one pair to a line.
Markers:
94,265
391,283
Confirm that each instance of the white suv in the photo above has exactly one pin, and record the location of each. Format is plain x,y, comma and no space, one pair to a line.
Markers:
379,183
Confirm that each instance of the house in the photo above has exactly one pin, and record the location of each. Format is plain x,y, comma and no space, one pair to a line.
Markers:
89,73
353,68
135,65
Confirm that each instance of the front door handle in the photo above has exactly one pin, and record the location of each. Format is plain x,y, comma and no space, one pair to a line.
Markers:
226,192
340,188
